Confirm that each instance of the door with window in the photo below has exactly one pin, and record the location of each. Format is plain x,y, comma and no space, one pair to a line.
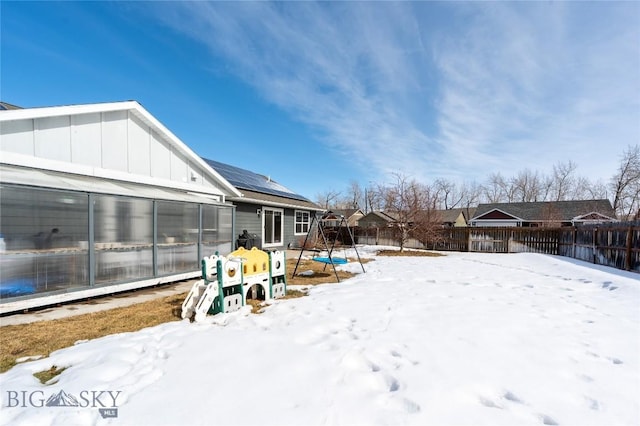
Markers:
272,227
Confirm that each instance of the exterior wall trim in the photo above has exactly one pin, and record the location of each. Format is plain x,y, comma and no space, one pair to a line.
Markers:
38,302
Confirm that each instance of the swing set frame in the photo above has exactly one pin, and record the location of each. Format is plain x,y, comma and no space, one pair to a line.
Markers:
329,259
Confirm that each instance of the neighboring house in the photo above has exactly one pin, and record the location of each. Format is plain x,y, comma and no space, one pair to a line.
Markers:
352,217
376,219
277,216
448,218
341,224
546,213
455,217
101,198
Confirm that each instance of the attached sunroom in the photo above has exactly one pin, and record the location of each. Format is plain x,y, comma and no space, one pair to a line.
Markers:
71,231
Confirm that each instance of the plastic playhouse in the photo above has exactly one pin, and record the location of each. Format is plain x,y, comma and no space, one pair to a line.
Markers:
227,282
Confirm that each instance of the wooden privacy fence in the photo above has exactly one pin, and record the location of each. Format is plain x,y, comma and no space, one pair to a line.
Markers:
616,244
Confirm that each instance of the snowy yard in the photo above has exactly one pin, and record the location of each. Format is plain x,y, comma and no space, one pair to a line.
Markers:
463,339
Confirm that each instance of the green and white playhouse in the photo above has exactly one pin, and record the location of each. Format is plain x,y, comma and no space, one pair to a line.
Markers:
227,282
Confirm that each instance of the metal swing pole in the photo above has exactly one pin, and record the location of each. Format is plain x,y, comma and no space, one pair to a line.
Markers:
353,244
329,251
304,245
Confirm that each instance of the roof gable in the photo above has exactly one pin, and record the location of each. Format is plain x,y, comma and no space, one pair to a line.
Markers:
140,148
496,214
591,217
349,214
378,216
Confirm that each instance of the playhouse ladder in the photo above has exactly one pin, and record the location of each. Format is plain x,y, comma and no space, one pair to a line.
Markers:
206,300
194,296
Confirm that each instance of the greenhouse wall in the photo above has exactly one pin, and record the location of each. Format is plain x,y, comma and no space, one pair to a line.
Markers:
61,245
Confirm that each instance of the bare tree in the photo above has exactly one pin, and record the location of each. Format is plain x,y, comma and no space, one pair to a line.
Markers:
427,223
546,185
526,186
584,189
428,228
373,197
494,188
625,184
406,201
447,194
471,194
563,181
328,199
355,196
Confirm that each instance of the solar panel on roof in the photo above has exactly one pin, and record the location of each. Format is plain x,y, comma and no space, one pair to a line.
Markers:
245,179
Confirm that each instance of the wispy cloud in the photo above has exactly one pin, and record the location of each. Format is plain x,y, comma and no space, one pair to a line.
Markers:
433,89
527,85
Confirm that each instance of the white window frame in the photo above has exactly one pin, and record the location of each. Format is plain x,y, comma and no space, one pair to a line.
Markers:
264,228
303,223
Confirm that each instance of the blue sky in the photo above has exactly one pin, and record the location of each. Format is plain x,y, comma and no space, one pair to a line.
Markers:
318,95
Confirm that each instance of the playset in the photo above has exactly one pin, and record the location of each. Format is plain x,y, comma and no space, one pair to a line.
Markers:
227,282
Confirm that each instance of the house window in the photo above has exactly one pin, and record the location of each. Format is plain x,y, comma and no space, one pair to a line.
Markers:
303,220
272,226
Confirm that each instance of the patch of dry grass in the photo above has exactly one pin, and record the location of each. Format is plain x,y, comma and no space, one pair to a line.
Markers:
294,294
409,253
44,337
46,375
258,306
322,272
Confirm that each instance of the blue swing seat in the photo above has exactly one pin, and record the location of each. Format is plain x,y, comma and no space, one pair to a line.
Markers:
330,260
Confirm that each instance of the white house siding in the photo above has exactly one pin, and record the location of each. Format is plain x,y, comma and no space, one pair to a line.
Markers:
17,136
52,138
179,167
160,157
116,141
138,157
86,140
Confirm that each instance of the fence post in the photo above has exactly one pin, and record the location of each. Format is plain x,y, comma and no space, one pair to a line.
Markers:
468,238
627,263
595,245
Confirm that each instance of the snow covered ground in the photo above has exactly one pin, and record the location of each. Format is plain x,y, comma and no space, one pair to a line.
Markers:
463,339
